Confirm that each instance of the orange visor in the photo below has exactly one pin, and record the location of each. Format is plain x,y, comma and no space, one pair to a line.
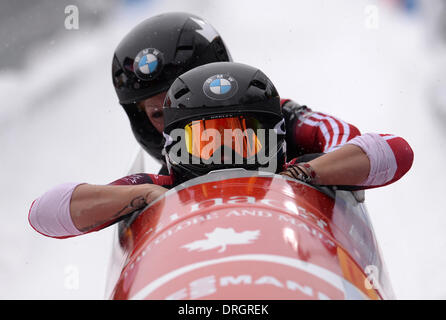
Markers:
204,137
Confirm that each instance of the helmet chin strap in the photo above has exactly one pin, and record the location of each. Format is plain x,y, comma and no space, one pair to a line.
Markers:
183,175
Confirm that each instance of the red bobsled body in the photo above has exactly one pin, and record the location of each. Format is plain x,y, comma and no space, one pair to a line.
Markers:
245,235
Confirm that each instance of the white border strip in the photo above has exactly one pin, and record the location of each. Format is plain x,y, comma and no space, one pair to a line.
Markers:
349,290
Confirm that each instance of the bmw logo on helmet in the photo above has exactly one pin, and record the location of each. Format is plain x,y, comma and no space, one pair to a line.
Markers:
148,63
220,87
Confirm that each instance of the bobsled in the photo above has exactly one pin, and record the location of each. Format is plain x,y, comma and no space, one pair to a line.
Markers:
236,234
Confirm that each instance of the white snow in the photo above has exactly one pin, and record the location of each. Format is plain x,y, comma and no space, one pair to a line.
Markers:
60,121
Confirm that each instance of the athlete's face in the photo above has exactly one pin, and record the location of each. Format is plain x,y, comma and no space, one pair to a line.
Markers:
153,107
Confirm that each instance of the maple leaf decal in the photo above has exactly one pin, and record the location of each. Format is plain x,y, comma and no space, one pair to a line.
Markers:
221,237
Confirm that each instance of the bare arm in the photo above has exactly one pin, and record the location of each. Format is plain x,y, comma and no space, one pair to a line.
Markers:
95,205
348,165
370,160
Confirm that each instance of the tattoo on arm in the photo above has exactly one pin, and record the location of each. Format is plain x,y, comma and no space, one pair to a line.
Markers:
135,204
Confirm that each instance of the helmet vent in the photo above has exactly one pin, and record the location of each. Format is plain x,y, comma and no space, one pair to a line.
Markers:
181,93
258,84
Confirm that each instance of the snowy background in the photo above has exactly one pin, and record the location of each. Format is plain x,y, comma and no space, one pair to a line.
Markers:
379,65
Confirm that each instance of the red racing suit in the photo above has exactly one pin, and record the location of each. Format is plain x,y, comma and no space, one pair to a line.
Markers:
308,133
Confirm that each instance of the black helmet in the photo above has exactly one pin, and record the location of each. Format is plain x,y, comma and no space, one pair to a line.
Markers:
151,56
221,96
